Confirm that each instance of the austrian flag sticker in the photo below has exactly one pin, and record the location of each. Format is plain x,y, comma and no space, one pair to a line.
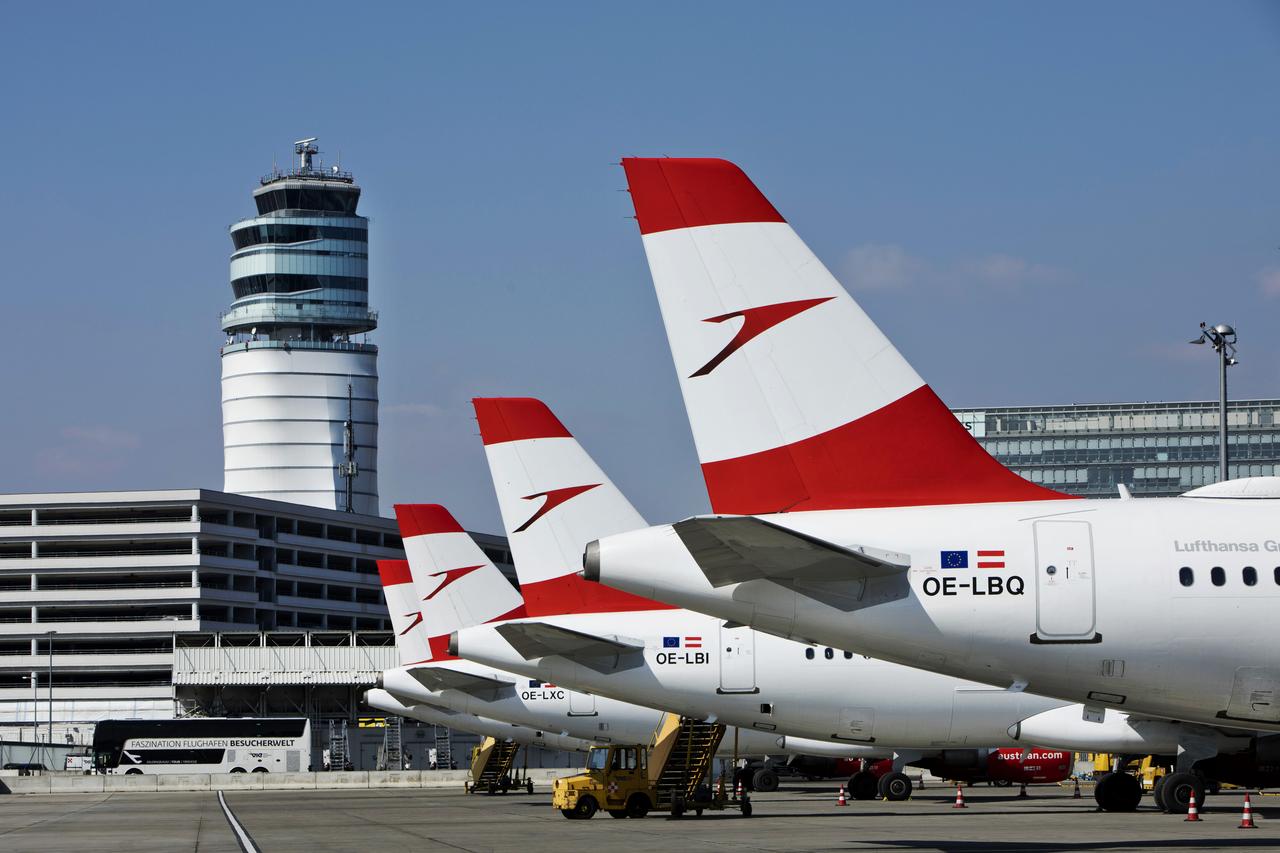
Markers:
990,559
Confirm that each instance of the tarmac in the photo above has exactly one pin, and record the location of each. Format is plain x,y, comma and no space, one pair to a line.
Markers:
796,818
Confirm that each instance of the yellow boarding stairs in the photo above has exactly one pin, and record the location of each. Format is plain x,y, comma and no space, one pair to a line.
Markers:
680,758
491,766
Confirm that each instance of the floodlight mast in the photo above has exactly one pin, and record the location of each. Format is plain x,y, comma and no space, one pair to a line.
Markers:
1223,339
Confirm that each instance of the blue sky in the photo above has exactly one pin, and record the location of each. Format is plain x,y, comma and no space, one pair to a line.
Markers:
1037,202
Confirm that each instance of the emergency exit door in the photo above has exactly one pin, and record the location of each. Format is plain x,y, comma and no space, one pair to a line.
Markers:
1065,597
581,704
737,660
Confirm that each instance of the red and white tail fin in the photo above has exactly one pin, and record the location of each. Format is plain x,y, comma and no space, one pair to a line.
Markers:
457,585
406,617
797,401
554,500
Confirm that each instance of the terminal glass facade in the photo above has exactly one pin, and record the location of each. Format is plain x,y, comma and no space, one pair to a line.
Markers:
1156,449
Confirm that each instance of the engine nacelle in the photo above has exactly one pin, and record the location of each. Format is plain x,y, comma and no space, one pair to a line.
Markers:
1019,766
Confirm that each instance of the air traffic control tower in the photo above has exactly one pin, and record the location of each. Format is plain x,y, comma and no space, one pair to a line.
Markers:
299,390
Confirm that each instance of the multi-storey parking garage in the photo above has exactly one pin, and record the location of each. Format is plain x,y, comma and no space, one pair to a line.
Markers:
94,587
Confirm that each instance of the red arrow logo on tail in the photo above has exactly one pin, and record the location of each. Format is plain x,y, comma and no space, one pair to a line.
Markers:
450,575
417,618
755,321
555,497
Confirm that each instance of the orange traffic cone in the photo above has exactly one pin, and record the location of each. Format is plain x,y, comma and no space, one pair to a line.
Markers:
1246,819
842,800
959,798
737,791
1193,814
1076,795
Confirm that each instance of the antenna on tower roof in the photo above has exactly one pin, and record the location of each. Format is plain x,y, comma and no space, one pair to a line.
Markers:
304,149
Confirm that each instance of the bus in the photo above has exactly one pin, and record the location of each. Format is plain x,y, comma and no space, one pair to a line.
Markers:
203,745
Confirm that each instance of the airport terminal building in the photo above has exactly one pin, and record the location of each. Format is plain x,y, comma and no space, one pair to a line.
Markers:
1156,449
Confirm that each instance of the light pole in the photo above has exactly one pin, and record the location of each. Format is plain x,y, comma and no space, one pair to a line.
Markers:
50,634
1223,338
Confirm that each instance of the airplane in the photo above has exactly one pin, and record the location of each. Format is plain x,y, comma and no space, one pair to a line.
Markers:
851,508
554,498
447,583
440,716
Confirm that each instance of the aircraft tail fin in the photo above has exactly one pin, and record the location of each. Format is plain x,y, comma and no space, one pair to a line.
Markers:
412,644
554,500
796,399
456,585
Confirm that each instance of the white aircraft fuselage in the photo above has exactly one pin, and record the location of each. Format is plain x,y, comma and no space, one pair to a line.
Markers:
694,665
483,726
1083,600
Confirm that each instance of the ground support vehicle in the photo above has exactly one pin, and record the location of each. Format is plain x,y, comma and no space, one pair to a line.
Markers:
491,768
671,774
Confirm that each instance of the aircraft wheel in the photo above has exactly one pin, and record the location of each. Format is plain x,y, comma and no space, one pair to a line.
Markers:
619,813
1155,793
746,808
864,785
765,780
586,808
1117,792
895,787
637,806
1175,793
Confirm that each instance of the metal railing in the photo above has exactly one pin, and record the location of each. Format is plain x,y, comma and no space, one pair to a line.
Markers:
336,346
75,555
39,627
57,652
50,522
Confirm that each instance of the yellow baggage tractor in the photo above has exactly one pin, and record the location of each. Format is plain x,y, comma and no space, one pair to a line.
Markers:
670,774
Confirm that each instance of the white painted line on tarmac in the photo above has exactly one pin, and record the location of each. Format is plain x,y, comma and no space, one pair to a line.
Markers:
242,837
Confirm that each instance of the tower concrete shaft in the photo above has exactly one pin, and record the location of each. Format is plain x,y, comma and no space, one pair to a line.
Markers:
299,379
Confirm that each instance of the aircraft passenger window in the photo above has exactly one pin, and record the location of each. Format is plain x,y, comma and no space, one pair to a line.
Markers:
1275,573
808,653
1186,577
830,653
1250,576
848,655
1217,576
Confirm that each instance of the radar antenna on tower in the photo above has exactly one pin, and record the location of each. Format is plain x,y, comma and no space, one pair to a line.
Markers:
305,151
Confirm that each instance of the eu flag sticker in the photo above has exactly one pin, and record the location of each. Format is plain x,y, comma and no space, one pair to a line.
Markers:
671,642
954,559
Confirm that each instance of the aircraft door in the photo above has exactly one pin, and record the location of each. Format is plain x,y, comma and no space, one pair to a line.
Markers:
1065,605
737,660
1255,695
857,724
582,704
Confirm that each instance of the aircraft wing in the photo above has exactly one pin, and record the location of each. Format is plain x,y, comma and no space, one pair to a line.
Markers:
732,549
442,678
601,653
